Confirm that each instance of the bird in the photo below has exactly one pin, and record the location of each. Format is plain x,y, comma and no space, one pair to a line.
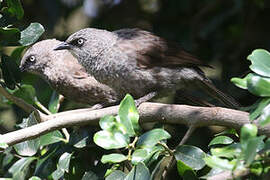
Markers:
140,63
65,75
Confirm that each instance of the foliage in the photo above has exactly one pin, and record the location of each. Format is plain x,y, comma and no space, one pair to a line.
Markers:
122,149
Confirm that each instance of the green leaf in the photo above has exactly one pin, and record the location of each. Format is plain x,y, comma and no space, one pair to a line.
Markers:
216,162
240,82
230,151
26,92
265,117
90,175
146,155
113,158
54,102
63,162
151,138
117,174
252,148
260,60
258,85
58,173
182,168
80,138
20,168
9,36
139,155
212,173
107,123
221,140
247,131
191,156
31,34
17,54
228,131
10,71
139,171
259,108
15,8
129,115
50,138
30,147
34,178
3,145
109,140
45,164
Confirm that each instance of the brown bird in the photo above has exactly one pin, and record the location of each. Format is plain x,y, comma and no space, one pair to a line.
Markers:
140,63
63,72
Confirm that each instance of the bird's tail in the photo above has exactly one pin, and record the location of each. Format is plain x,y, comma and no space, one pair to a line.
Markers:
227,100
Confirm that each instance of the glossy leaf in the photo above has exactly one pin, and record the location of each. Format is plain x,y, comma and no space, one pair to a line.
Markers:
247,131
113,158
139,171
146,155
212,173
54,103
129,115
63,162
240,82
182,168
252,148
15,8
90,175
50,138
258,85
216,162
117,174
265,117
20,168
27,93
30,147
3,145
58,173
107,122
260,60
109,140
230,151
45,164
10,71
221,140
31,34
151,138
34,178
191,156
259,108
9,36
139,155
80,138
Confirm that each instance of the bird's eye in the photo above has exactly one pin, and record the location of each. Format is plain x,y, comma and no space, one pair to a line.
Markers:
80,41
32,58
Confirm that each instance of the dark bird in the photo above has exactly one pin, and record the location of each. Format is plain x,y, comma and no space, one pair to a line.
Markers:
140,63
63,72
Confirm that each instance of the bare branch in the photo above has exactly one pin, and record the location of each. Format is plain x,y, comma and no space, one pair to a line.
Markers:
28,108
149,112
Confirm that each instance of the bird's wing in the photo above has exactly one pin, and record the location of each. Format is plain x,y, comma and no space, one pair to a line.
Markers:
150,50
74,68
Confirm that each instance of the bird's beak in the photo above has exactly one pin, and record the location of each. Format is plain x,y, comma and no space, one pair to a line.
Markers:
22,68
62,46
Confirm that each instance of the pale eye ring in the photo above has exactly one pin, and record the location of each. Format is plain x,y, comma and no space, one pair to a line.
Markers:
80,41
32,58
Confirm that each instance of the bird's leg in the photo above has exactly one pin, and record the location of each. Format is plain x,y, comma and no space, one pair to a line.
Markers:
145,98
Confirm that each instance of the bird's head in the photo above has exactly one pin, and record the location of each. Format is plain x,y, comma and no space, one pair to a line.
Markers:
88,43
40,56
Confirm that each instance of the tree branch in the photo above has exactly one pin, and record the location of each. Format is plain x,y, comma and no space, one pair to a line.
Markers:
149,112
28,108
